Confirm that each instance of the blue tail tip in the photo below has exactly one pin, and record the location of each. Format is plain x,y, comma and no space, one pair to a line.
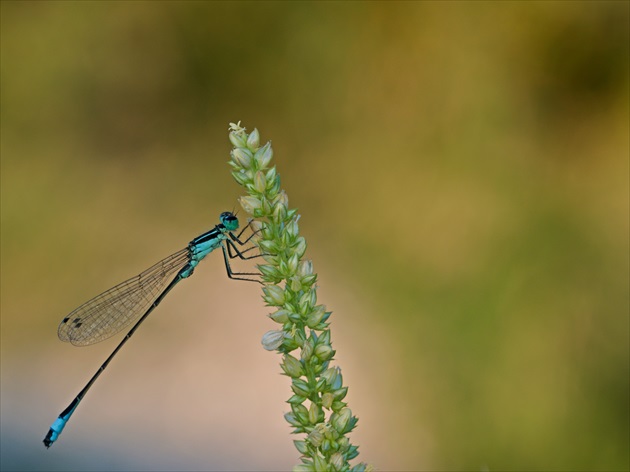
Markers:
50,438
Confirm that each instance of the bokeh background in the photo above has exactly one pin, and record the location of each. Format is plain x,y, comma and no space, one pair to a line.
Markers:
462,174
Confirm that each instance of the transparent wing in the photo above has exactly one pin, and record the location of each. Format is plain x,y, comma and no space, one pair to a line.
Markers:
113,310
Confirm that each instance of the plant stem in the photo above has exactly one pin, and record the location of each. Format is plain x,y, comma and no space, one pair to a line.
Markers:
317,406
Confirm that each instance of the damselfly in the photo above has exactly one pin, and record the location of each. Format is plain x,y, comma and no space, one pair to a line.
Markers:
112,311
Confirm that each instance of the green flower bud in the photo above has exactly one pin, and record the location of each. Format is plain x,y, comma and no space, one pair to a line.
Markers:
237,135
291,366
253,140
283,268
324,338
338,380
281,316
271,176
285,237
292,420
292,228
338,405
300,387
307,350
300,246
241,177
319,463
337,460
314,413
330,375
324,352
326,446
269,246
273,260
327,400
264,155
274,295
266,207
292,264
279,213
295,399
340,393
307,301
269,271
269,231
343,442
301,446
309,280
315,316
315,437
274,187
250,204
319,386
341,420
300,412
282,198
242,156
259,182
295,284
294,317
289,344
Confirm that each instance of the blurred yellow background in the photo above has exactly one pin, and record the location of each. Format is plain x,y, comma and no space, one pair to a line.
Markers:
462,174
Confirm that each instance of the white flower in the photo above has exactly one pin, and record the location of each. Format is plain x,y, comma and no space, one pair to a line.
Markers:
272,340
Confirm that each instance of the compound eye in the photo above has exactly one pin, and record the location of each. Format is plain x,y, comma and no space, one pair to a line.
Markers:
229,220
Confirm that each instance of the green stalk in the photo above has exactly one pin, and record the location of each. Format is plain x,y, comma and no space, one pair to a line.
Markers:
317,406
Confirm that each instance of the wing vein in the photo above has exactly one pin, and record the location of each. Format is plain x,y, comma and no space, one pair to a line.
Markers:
113,310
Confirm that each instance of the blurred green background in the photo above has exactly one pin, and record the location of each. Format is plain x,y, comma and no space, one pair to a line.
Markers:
462,174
